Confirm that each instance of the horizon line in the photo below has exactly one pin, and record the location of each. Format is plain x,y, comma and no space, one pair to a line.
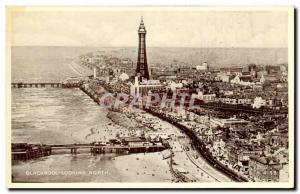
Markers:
147,46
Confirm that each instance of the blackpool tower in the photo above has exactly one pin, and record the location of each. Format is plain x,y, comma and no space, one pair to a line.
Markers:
142,66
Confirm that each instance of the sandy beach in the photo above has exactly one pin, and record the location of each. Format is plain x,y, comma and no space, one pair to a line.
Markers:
149,167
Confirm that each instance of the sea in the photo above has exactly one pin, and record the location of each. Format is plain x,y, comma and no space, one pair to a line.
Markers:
59,116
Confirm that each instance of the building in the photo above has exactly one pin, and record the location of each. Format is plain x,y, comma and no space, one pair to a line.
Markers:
224,77
236,70
174,86
219,149
277,138
202,67
242,80
242,101
272,69
239,155
95,70
133,141
258,102
127,61
144,87
262,79
264,169
232,122
243,152
206,97
123,77
142,67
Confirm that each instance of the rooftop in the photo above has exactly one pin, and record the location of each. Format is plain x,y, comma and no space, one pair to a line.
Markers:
265,160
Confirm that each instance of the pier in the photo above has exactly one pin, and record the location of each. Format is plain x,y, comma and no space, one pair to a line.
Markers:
36,85
24,151
46,84
102,149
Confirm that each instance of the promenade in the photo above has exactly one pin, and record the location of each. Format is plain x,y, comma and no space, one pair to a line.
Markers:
200,147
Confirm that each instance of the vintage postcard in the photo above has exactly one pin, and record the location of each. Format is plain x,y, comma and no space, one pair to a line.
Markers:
150,97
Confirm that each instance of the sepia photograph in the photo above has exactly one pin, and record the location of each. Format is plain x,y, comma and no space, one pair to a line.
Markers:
150,97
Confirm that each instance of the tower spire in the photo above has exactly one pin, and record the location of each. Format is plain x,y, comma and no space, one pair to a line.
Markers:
142,66
142,28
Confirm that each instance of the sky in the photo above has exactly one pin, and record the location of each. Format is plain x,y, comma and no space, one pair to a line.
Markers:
118,28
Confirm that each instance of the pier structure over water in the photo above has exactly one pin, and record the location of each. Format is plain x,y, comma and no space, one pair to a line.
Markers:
102,149
24,151
36,85
65,84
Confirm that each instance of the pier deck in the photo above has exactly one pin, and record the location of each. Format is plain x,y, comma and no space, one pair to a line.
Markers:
36,85
96,149
29,151
45,84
